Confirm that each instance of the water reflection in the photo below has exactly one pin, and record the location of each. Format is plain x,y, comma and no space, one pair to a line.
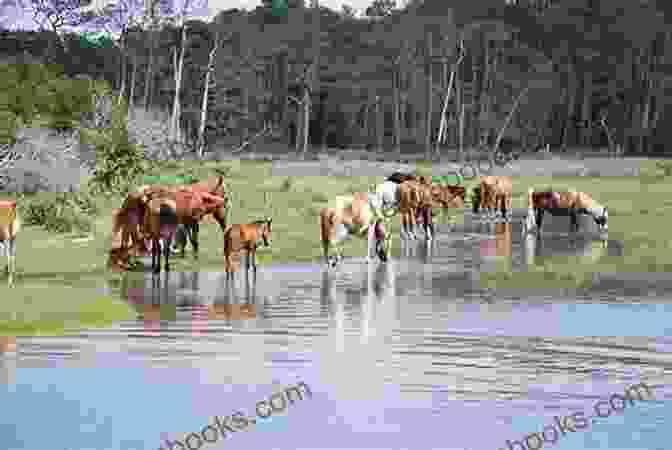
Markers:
496,251
583,249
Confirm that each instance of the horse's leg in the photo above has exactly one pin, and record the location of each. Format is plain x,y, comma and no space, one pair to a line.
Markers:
539,220
411,223
155,253
574,222
166,251
251,256
11,251
193,238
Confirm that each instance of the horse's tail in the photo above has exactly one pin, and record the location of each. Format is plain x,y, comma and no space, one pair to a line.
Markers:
15,225
326,222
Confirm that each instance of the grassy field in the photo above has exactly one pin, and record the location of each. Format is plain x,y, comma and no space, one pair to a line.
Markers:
57,273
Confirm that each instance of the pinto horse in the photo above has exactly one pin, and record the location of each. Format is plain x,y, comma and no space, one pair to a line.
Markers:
246,237
495,192
10,224
417,201
361,214
571,203
164,212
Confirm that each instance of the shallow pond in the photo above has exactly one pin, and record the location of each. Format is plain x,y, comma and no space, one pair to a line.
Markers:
412,354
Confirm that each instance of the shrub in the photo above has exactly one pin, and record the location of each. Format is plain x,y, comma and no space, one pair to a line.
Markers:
119,162
59,212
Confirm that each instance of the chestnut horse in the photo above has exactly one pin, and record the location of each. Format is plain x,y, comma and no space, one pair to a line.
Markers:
165,211
571,203
10,224
495,192
129,219
246,237
418,199
361,214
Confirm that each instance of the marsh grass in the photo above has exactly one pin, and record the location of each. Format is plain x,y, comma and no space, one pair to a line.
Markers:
54,307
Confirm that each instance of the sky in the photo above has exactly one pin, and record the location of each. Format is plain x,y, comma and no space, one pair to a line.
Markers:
16,14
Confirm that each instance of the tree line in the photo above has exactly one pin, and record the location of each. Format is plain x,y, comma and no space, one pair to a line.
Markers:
434,74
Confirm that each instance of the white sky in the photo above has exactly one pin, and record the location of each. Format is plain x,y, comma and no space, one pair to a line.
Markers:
358,5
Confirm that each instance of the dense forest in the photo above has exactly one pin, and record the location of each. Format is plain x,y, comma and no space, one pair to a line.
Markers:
435,74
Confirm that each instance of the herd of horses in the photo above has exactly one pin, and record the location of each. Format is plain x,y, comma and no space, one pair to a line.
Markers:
150,217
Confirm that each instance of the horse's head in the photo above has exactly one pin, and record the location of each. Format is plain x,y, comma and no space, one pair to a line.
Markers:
267,231
602,220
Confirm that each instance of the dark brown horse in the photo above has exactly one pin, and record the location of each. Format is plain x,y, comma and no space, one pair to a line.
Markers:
164,212
246,237
566,203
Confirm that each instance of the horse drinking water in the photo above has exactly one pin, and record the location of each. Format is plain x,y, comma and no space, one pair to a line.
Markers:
571,203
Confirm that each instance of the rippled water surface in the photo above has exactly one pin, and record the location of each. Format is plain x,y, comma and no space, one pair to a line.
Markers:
412,354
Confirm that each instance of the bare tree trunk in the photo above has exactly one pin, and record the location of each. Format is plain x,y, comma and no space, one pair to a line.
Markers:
149,71
306,120
178,66
508,119
124,69
442,125
396,85
204,102
131,94
586,129
428,118
380,125
571,106
461,133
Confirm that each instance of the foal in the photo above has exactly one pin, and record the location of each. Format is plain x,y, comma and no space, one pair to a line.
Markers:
571,203
10,224
246,237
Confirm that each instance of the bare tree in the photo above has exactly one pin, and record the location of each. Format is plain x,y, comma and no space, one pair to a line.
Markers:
204,103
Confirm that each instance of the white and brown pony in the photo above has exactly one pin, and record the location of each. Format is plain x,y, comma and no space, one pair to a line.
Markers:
10,224
360,214
566,203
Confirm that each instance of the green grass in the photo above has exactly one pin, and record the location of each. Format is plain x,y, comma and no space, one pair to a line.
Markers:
58,274
52,308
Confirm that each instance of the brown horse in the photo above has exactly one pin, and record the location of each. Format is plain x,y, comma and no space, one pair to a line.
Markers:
246,237
164,212
496,191
359,214
129,219
566,203
10,224
417,200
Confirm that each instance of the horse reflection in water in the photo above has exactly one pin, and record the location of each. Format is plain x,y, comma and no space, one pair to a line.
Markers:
497,250
179,297
585,249
421,250
379,317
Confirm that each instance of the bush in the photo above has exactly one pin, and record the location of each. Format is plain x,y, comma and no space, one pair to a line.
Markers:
119,162
60,212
